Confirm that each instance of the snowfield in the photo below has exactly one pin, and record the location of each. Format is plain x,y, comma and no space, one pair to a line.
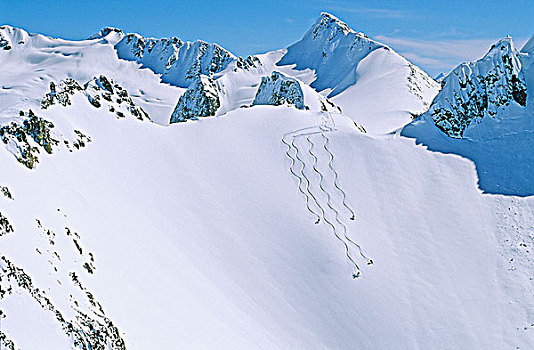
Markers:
263,226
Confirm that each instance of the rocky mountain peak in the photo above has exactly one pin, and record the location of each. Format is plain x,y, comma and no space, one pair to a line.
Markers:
477,90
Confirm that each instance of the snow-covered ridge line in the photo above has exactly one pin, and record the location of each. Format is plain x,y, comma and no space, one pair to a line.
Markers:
342,54
179,62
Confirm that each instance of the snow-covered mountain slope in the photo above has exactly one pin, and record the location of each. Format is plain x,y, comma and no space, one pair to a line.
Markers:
175,245
34,61
372,83
485,112
266,227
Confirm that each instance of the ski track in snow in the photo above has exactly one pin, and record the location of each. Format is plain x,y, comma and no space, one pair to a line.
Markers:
327,125
343,196
308,184
299,179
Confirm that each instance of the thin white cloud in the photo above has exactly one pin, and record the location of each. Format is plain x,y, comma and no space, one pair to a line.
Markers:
340,7
371,12
441,55
289,20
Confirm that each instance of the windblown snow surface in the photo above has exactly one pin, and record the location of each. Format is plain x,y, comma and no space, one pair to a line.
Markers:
245,230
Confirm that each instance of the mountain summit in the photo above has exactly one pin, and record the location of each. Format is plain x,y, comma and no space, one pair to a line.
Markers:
333,50
373,84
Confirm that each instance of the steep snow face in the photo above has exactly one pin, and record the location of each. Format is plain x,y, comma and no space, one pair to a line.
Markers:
373,84
200,100
484,112
527,60
179,62
278,89
529,46
482,89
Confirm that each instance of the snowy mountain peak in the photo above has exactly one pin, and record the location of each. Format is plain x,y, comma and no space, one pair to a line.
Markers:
11,36
346,64
476,91
333,50
439,77
329,26
505,45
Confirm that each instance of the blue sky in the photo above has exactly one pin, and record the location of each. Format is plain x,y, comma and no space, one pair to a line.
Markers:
436,35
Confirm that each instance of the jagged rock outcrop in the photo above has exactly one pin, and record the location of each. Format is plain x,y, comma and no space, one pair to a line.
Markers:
248,63
26,137
482,89
103,91
278,89
61,93
200,100
5,226
28,134
5,43
99,91
6,192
